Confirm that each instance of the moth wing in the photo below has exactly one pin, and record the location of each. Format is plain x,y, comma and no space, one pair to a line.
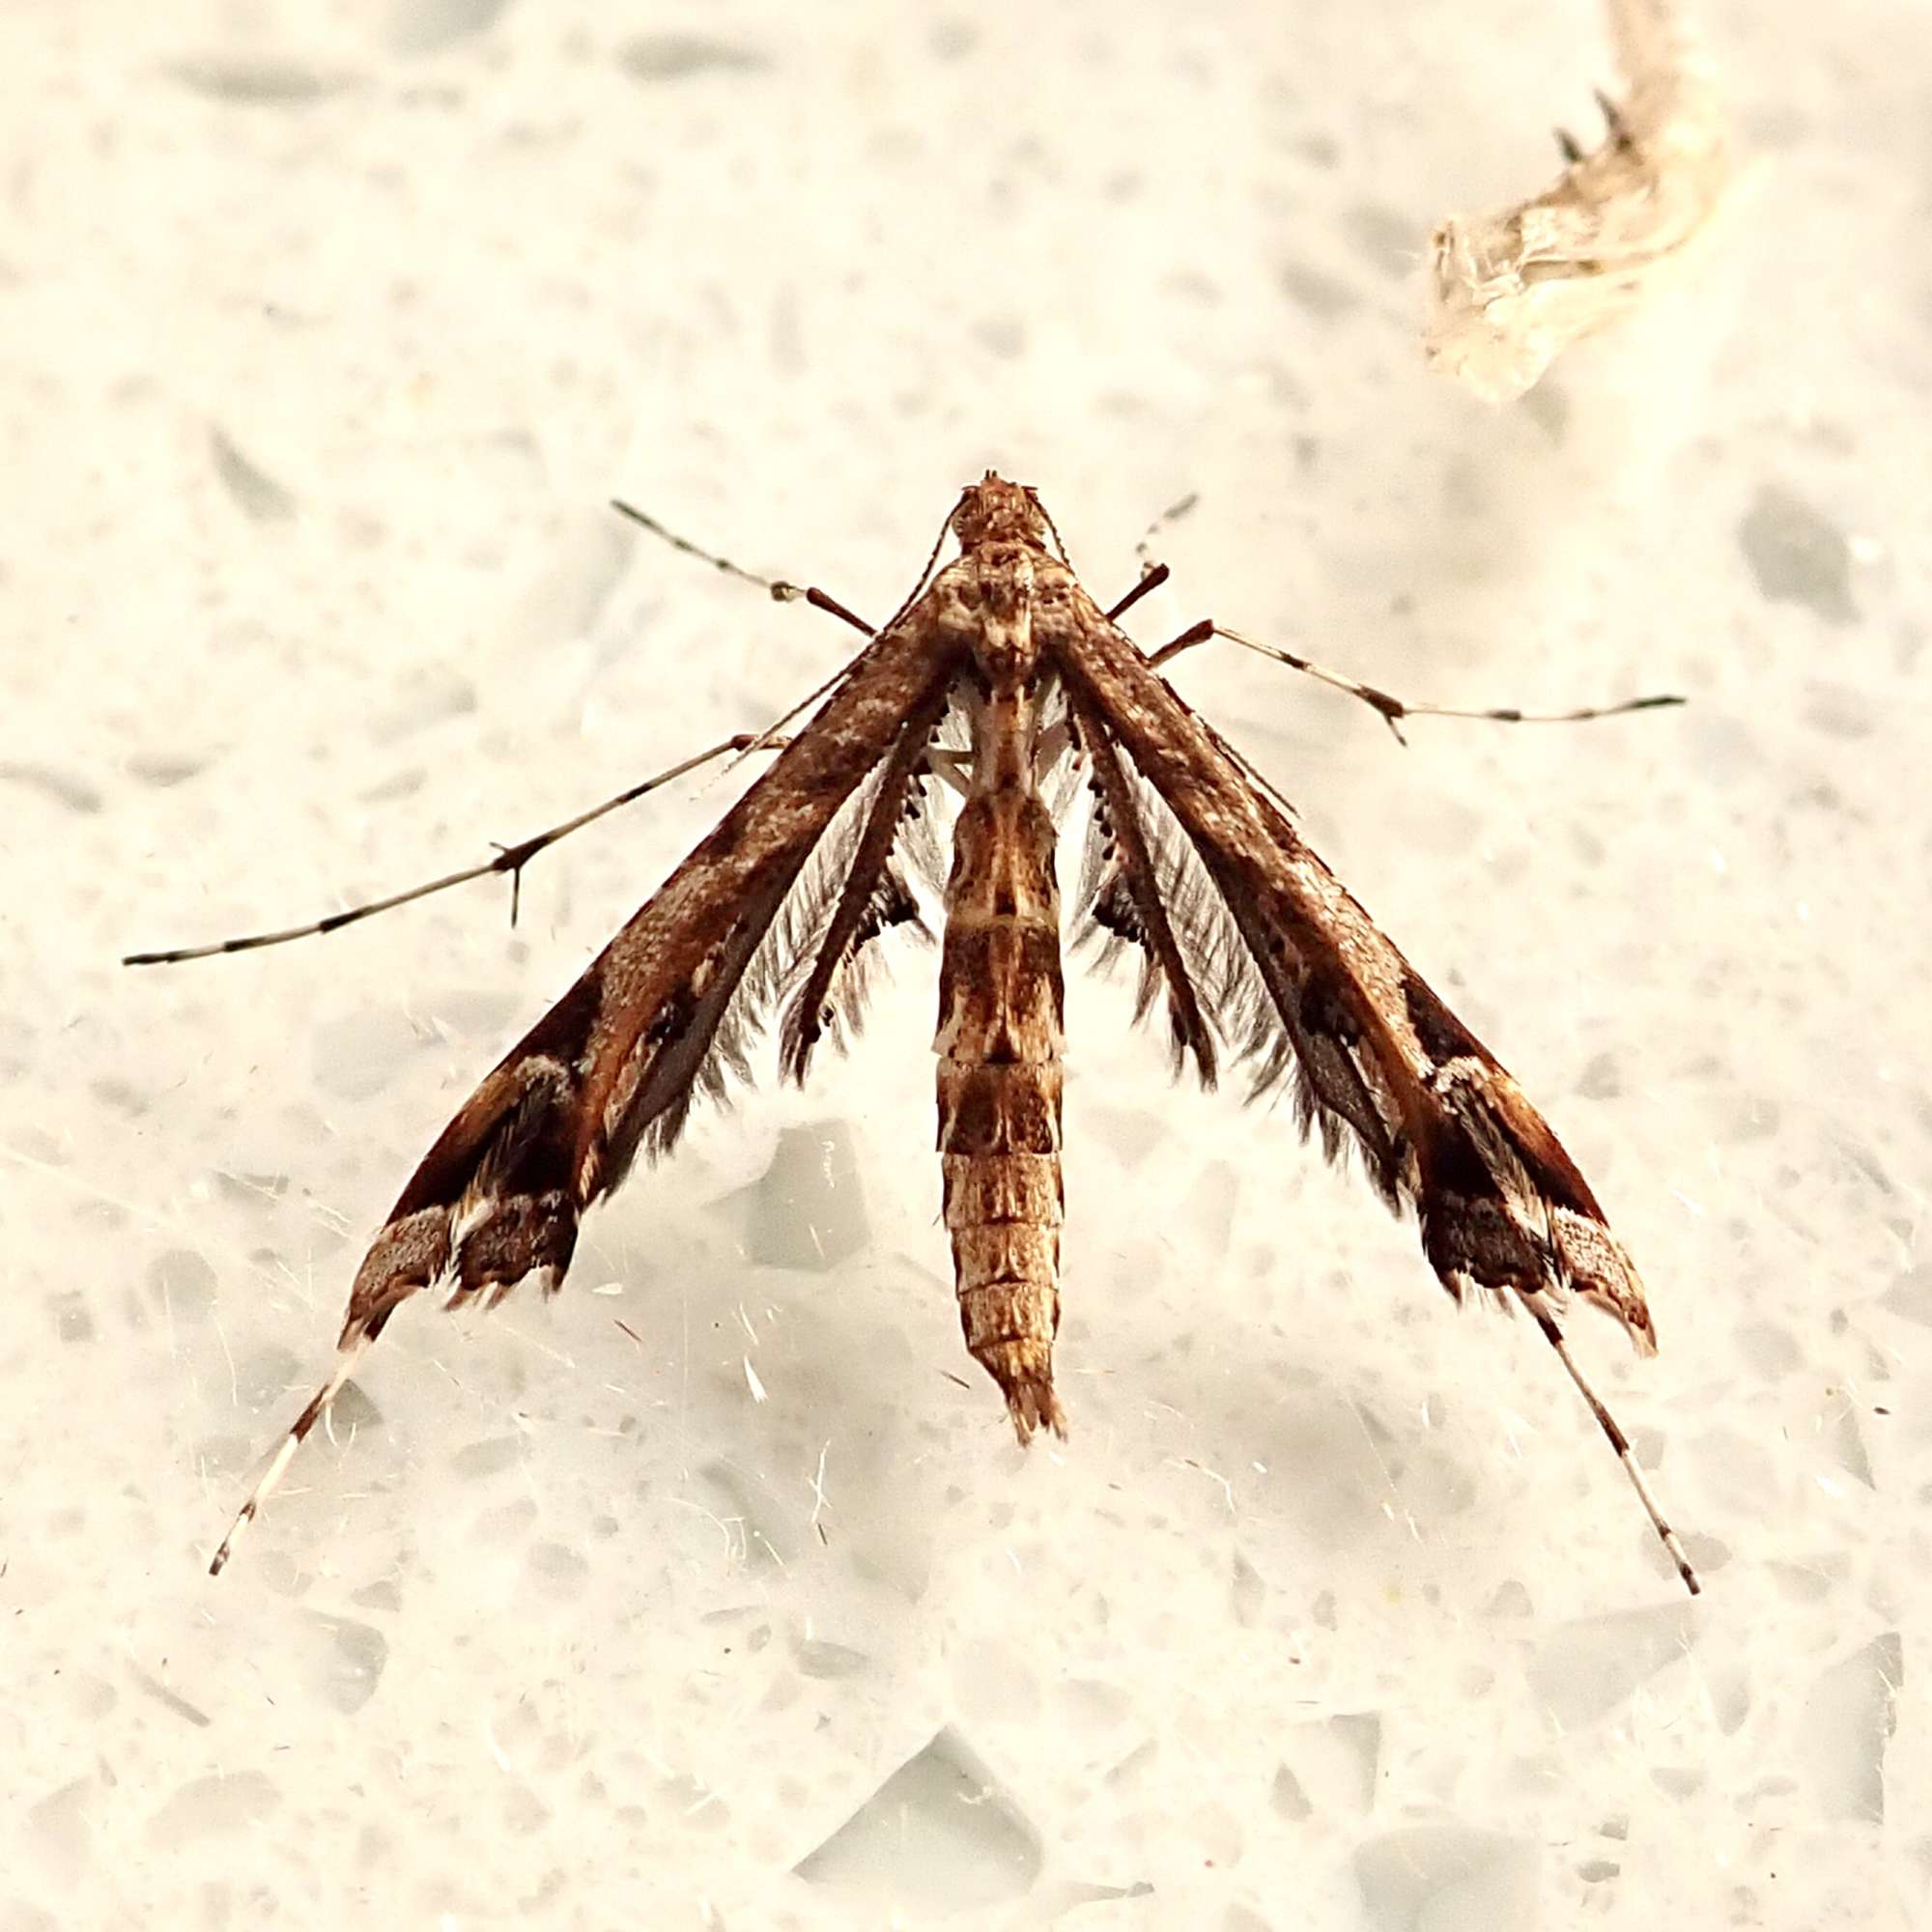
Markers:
1318,994
661,1015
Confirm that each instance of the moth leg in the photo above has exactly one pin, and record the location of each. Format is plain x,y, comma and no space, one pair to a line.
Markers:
511,859
1620,1442
356,1343
953,768
1392,709
1195,634
1153,577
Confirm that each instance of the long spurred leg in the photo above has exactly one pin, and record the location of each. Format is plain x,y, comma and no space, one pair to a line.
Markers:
511,859
1152,575
1620,1442
1392,709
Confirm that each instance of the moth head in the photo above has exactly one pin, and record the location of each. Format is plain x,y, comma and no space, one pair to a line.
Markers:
996,511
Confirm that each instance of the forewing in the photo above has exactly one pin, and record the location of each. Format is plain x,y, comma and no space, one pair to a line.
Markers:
613,1066
1377,1056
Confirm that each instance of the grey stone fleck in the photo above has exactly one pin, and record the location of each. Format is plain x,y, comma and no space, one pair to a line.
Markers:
222,1803
477,1461
678,56
1250,1593
1288,1798
1004,335
257,83
432,696
259,494
184,1281
76,794
1324,295
1910,1296
556,1568
1839,712
72,1319
1601,1079
1796,555
1768,1349
1548,409
153,1688
1845,1724
354,1664
939,1835
1585,1668
1444,1875
808,1209
163,772
361,1053
815,1657
1389,240
428,26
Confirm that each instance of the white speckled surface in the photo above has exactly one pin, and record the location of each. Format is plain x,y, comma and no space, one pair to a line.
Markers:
327,333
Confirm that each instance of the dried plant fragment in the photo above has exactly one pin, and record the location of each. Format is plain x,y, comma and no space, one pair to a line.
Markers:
1509,291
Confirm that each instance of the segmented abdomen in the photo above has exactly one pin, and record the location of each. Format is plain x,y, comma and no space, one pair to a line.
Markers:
999,1043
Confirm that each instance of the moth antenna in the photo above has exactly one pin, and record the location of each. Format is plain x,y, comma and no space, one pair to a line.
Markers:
1172,514
354,1346
1053,529
918,589
1620,1442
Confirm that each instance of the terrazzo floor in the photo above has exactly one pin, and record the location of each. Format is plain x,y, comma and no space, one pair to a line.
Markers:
716,1593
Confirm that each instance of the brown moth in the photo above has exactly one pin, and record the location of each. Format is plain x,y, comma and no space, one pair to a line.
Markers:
997,679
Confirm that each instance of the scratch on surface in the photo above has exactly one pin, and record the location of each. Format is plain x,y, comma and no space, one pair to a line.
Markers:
1212,1475
161,1692
819,1501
